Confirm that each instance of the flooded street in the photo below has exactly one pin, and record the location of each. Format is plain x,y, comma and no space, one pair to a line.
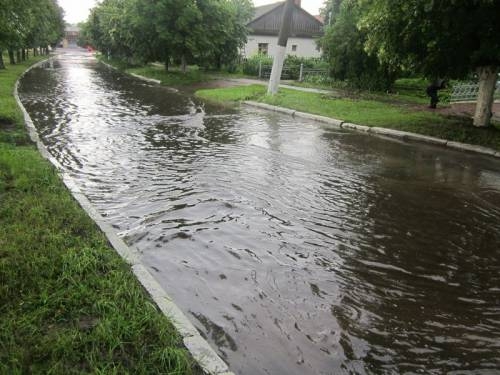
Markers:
295,248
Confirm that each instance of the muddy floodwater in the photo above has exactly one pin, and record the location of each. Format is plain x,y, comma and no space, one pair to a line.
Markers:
295,248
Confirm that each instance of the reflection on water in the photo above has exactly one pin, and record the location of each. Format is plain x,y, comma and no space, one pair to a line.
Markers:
295,248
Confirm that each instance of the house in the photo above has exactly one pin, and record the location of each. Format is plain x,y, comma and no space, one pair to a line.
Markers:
265,26
71,35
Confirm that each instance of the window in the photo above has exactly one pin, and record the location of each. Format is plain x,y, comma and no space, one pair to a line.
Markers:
263,48
294,48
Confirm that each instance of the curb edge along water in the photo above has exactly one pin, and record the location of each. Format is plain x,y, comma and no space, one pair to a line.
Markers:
202,352
138,76
384,132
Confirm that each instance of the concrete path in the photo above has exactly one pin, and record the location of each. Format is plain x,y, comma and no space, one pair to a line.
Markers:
250,81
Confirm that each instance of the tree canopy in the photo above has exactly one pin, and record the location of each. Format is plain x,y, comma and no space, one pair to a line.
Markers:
29,24
447,38
206,32
367,39
344,47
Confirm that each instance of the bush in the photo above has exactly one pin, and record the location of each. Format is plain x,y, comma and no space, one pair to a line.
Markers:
251,65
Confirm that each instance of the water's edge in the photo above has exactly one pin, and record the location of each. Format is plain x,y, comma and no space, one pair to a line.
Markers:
210,362
385,132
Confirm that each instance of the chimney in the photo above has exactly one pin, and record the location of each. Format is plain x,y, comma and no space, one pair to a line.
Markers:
297,2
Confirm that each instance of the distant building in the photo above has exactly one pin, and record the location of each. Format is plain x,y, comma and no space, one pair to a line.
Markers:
71,35
265,26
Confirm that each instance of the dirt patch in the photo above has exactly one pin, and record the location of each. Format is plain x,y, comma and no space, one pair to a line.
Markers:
467,109
457,110
7,125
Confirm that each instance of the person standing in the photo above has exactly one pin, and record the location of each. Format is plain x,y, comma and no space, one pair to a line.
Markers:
432,91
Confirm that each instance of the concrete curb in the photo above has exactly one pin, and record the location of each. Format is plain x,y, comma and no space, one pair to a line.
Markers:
150,80
142,78
202,352
392,133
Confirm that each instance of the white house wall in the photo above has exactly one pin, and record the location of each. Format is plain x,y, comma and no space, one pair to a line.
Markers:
306,47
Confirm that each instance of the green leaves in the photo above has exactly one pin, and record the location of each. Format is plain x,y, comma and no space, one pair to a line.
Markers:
205,32
30,23
436,38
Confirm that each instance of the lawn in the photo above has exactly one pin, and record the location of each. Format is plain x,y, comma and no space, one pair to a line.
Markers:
377,111
68,303
173,77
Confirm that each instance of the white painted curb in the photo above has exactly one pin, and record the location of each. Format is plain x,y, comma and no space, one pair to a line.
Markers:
407,136
157,81
199,348
142,78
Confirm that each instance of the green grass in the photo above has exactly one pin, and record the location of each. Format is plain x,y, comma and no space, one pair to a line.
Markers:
399,115
174,77
68,303
11,121
405,90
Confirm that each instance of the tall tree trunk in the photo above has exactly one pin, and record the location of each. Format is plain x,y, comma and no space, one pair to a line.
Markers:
34,52
2,64
23,54
219,62
18,56
487,82
11,57
183,64
167,62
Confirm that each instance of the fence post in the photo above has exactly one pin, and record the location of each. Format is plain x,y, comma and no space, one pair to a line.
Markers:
301,74
260,68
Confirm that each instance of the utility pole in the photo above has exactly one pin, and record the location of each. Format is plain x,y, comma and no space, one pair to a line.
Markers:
279,58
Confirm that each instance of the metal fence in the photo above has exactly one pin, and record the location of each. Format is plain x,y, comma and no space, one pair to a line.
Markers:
468,91
298,73
265,72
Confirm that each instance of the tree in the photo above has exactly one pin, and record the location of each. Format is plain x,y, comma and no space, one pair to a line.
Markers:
344,47
446,38
29,24
331,11
206,32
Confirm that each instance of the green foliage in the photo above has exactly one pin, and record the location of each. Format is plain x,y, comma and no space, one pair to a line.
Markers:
204,32
69,304
172,77
11,120
446,38
343,45
251,65
30,24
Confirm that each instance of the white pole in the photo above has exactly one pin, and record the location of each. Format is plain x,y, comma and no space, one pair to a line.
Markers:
279,58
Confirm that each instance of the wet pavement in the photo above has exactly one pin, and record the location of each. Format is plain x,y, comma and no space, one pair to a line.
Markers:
295,248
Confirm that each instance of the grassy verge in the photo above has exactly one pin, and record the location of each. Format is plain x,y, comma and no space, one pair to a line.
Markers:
174,77
405,90
68,303
11,124
402,115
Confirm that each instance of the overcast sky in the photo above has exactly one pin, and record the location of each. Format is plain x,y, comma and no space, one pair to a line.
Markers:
78,10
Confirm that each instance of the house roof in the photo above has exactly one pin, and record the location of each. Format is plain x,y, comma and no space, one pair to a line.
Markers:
267,21
260,11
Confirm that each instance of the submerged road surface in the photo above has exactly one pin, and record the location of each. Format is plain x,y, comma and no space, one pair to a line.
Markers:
294,248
